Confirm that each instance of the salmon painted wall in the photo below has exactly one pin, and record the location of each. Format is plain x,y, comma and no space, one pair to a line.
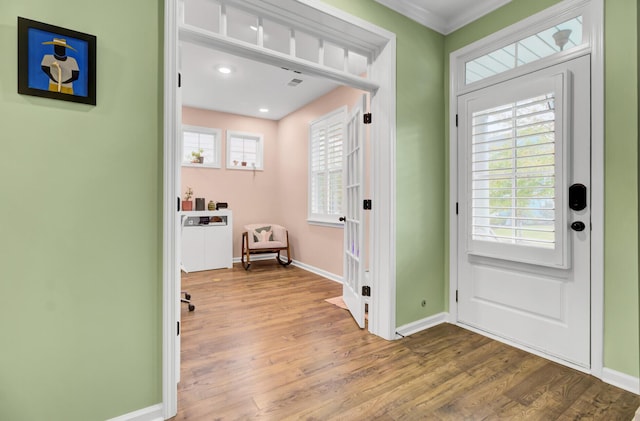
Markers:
253,196
314,245
278,194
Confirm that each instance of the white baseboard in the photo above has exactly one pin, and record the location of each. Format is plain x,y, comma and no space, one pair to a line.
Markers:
256,257
308,268
317,271
151,413
621,380
423,324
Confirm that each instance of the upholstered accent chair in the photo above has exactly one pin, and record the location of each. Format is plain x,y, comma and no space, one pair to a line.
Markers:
265,238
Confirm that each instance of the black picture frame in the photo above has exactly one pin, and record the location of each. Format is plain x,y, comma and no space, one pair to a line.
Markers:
55,62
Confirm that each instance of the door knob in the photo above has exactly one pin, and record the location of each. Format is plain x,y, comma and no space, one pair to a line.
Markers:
578,226
342,219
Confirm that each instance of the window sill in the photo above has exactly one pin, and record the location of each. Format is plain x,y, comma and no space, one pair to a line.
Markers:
329,224
192,165
233,167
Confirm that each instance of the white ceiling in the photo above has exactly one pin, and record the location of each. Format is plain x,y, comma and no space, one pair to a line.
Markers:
444,16
254,85
250,87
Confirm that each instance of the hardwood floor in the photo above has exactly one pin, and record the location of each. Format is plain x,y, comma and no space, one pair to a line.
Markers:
265,345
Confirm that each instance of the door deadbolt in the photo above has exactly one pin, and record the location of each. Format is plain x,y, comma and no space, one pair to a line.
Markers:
578,197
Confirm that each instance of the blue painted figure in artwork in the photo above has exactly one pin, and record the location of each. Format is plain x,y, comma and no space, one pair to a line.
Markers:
61,69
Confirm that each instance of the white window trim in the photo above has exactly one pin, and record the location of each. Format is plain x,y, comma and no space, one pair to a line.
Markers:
519,31
260,150
217,142
316,218
593,30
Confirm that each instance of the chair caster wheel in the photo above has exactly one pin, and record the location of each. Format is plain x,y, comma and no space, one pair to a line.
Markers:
187,296
191,307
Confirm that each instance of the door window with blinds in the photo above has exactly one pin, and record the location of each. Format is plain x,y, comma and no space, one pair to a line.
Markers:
326,137
516,144
244,151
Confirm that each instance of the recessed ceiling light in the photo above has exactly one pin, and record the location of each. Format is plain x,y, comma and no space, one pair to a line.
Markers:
224,69
264,110
253,27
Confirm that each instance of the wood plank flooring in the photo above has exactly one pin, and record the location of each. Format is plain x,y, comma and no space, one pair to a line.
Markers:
265,345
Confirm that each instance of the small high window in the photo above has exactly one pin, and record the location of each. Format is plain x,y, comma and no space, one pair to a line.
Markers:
244,151
200,146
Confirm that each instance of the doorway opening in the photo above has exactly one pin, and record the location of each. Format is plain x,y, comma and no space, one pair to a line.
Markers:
380,46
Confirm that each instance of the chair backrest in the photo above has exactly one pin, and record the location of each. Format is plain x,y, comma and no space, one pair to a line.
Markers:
279,232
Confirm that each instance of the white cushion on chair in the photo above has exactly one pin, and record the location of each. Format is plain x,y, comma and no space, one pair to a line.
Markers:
279,236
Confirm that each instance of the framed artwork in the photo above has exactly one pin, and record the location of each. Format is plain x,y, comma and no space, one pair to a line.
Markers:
55,62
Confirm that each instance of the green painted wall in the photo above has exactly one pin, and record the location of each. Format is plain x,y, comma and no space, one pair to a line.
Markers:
80,237
621,333
420,163
621,326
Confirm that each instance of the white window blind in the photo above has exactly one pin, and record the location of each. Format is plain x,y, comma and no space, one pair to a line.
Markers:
513,167
325,167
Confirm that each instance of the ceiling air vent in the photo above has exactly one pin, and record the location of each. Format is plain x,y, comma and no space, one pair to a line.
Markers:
294,82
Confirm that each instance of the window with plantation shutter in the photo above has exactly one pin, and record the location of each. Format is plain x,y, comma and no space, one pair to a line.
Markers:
516,175
326,136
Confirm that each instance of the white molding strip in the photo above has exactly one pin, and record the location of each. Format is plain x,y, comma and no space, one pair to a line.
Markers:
151,413
317,271
423,324
254,258
621,380
304,266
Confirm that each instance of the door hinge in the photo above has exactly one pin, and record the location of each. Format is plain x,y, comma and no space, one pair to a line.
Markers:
456,120
456,208
367,118
179,80
456,295
366,291
366,204
178,333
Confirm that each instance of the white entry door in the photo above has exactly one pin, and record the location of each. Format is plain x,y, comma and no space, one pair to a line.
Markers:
524,210
353,177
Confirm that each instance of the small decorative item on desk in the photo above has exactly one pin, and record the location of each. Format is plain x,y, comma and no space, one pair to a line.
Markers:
199,203
187,204
211,206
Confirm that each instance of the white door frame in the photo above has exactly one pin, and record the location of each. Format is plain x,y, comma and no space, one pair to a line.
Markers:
383,153
595,47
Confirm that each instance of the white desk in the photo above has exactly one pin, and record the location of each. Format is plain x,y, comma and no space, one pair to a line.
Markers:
206,246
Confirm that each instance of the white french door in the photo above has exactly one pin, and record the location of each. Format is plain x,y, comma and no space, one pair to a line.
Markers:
353,181
524,210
